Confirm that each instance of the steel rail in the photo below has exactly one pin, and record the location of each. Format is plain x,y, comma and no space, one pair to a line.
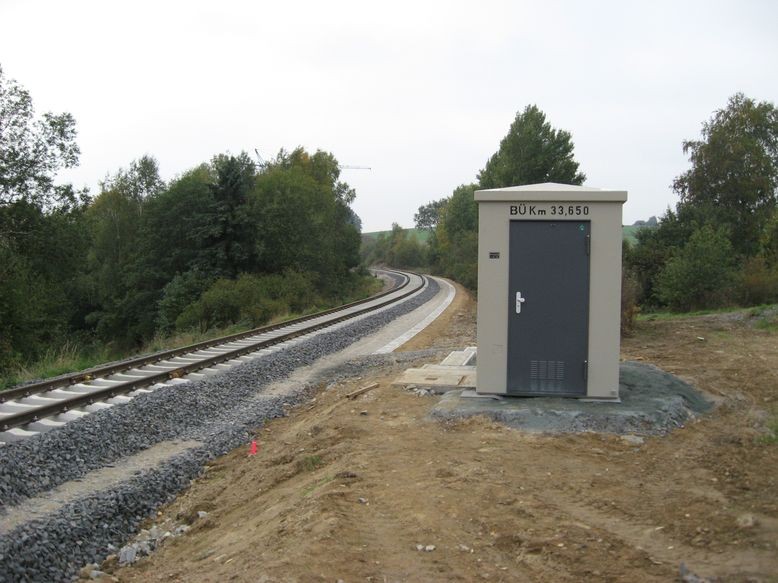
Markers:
30,389
62,406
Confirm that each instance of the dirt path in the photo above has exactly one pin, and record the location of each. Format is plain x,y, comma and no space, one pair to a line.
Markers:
349,490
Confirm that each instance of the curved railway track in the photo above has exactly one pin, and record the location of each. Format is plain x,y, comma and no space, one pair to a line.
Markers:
38,407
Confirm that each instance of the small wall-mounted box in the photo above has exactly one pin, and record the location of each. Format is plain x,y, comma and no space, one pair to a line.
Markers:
549,290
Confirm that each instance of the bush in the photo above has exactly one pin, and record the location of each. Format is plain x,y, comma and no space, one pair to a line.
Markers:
702,274
758,282
250,299
180,292
295,289
630,291
218,306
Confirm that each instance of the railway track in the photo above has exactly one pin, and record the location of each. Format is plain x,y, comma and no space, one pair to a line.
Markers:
39,407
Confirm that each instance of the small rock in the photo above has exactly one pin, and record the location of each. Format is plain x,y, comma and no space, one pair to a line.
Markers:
127,555
181,529
687,576
143,535
201,514
362,500
633,439
429,548
746,521
419,547
204,555
143,547
155,532
363,412
464,548
96,574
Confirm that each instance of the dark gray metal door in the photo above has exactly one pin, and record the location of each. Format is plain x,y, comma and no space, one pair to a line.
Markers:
548,307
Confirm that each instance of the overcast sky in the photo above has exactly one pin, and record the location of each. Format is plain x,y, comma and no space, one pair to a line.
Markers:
422,92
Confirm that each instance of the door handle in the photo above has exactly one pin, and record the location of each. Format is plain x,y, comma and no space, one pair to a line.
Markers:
519,301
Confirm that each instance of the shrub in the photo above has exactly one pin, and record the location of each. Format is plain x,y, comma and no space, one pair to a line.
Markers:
630,290
758,282
179,293
219,306
250,299
702,274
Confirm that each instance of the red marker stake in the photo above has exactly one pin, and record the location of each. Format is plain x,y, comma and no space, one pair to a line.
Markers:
253,447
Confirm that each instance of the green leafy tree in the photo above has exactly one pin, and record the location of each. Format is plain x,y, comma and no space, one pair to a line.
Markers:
234,238
125,293
138,182
734,173
456,236
306,223
428,215
31,150
532,152
184,289
731,186
43,239
654,248
178,228
42,299
702,274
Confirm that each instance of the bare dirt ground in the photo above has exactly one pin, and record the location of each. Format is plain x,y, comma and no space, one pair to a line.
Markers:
346,489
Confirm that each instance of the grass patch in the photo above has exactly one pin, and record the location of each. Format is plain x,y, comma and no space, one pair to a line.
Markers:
722,335
73,357
755,311
768,325
309,463
771,437
767,318
64,359
319,483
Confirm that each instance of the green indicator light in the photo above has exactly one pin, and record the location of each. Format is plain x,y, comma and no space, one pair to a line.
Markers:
581,227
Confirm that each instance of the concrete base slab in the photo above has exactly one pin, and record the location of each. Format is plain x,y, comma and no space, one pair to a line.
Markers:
653,402
439,377
471,394
461,357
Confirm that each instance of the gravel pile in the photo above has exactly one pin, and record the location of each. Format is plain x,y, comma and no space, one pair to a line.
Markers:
653,402
219,411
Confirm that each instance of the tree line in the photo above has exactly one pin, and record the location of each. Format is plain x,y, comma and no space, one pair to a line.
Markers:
225,242
717,247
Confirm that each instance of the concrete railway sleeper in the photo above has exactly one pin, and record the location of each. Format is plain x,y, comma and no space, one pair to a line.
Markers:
45,405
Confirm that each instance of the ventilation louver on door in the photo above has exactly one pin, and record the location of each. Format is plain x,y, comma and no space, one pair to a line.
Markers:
547,375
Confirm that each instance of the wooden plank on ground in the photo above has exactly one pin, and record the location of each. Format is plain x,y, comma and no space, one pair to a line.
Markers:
355,394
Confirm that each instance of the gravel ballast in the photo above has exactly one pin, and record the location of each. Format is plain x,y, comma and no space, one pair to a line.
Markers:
219,411
653,402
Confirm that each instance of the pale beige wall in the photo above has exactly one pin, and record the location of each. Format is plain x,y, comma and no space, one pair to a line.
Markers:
604,295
